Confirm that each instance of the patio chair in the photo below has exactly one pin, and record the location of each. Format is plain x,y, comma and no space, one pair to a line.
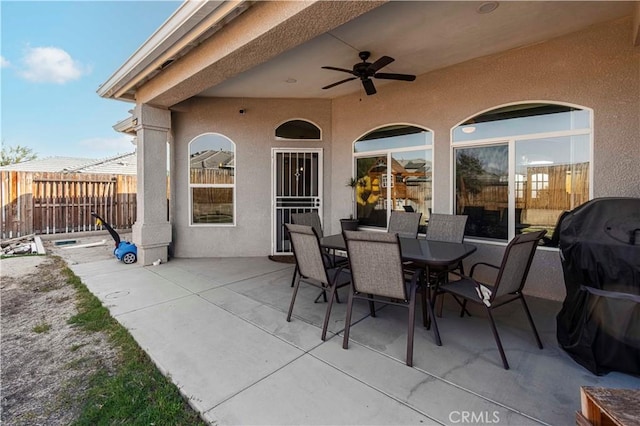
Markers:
448,228
313,219
309,219
405,224
377,275
314,269
511,278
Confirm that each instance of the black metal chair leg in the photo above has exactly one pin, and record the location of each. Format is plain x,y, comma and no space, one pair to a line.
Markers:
533,326
322,294
463,304
423,299
347,324
372,306
498,342
293,298
325,325
411,322
295,273
440,302
433,321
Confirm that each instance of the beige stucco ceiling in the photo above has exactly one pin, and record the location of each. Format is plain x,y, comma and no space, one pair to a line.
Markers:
422,36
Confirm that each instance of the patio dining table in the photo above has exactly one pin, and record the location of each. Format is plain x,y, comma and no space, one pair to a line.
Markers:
424,252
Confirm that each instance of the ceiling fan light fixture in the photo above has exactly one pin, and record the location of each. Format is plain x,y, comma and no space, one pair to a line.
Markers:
487,7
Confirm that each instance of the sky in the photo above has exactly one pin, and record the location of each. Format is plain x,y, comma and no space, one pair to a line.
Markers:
53,57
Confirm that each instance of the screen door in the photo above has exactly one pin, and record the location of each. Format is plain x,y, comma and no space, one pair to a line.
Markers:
297,188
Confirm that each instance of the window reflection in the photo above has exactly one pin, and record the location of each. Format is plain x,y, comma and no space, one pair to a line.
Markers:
550,173
394,178
212,205
370,200
556,172
482,189
524,119
212,179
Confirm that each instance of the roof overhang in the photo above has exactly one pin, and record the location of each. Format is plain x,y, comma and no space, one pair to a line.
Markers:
188,26
126,126
272,49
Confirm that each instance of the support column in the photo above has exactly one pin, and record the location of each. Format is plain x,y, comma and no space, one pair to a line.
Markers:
152,231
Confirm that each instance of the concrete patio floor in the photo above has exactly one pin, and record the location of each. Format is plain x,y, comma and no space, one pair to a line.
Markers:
217,327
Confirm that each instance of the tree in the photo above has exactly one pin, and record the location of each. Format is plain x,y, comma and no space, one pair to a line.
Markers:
16,154
468,170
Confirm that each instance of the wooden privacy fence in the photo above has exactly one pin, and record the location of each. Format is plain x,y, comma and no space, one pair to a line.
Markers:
49,203
558,188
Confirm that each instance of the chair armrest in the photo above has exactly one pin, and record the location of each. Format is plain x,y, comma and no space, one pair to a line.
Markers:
483,264
464,277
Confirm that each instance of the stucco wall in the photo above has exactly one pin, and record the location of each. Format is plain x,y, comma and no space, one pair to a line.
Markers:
254,136
597,68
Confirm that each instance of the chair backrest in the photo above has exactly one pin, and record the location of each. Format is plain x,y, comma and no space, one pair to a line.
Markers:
309,219
376,263
446,227
307,251
405,224
516,263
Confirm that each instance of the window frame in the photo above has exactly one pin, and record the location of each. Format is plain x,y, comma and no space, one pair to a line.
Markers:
388,153
511,142
280,138
191,186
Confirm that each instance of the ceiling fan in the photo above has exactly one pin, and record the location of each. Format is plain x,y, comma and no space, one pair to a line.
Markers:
366,70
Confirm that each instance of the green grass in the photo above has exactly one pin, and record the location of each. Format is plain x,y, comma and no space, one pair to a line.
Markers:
76,347
41,327
137,393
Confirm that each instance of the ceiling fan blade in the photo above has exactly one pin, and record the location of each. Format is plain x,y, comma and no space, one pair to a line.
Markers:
382,62
389,76
338,69
369,87
339,82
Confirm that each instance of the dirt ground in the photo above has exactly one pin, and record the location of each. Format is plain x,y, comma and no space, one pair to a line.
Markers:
46,362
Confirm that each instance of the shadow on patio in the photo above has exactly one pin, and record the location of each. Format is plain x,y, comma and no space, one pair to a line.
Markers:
218,328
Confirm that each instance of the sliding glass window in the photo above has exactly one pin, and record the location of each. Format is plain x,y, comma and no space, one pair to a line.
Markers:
393,171
517,168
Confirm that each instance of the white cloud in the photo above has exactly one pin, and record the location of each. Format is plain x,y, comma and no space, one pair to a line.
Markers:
106,147
4,63
50,65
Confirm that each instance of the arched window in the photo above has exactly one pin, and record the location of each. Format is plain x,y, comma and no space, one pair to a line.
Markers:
393,167
518,167
298,130
212,180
